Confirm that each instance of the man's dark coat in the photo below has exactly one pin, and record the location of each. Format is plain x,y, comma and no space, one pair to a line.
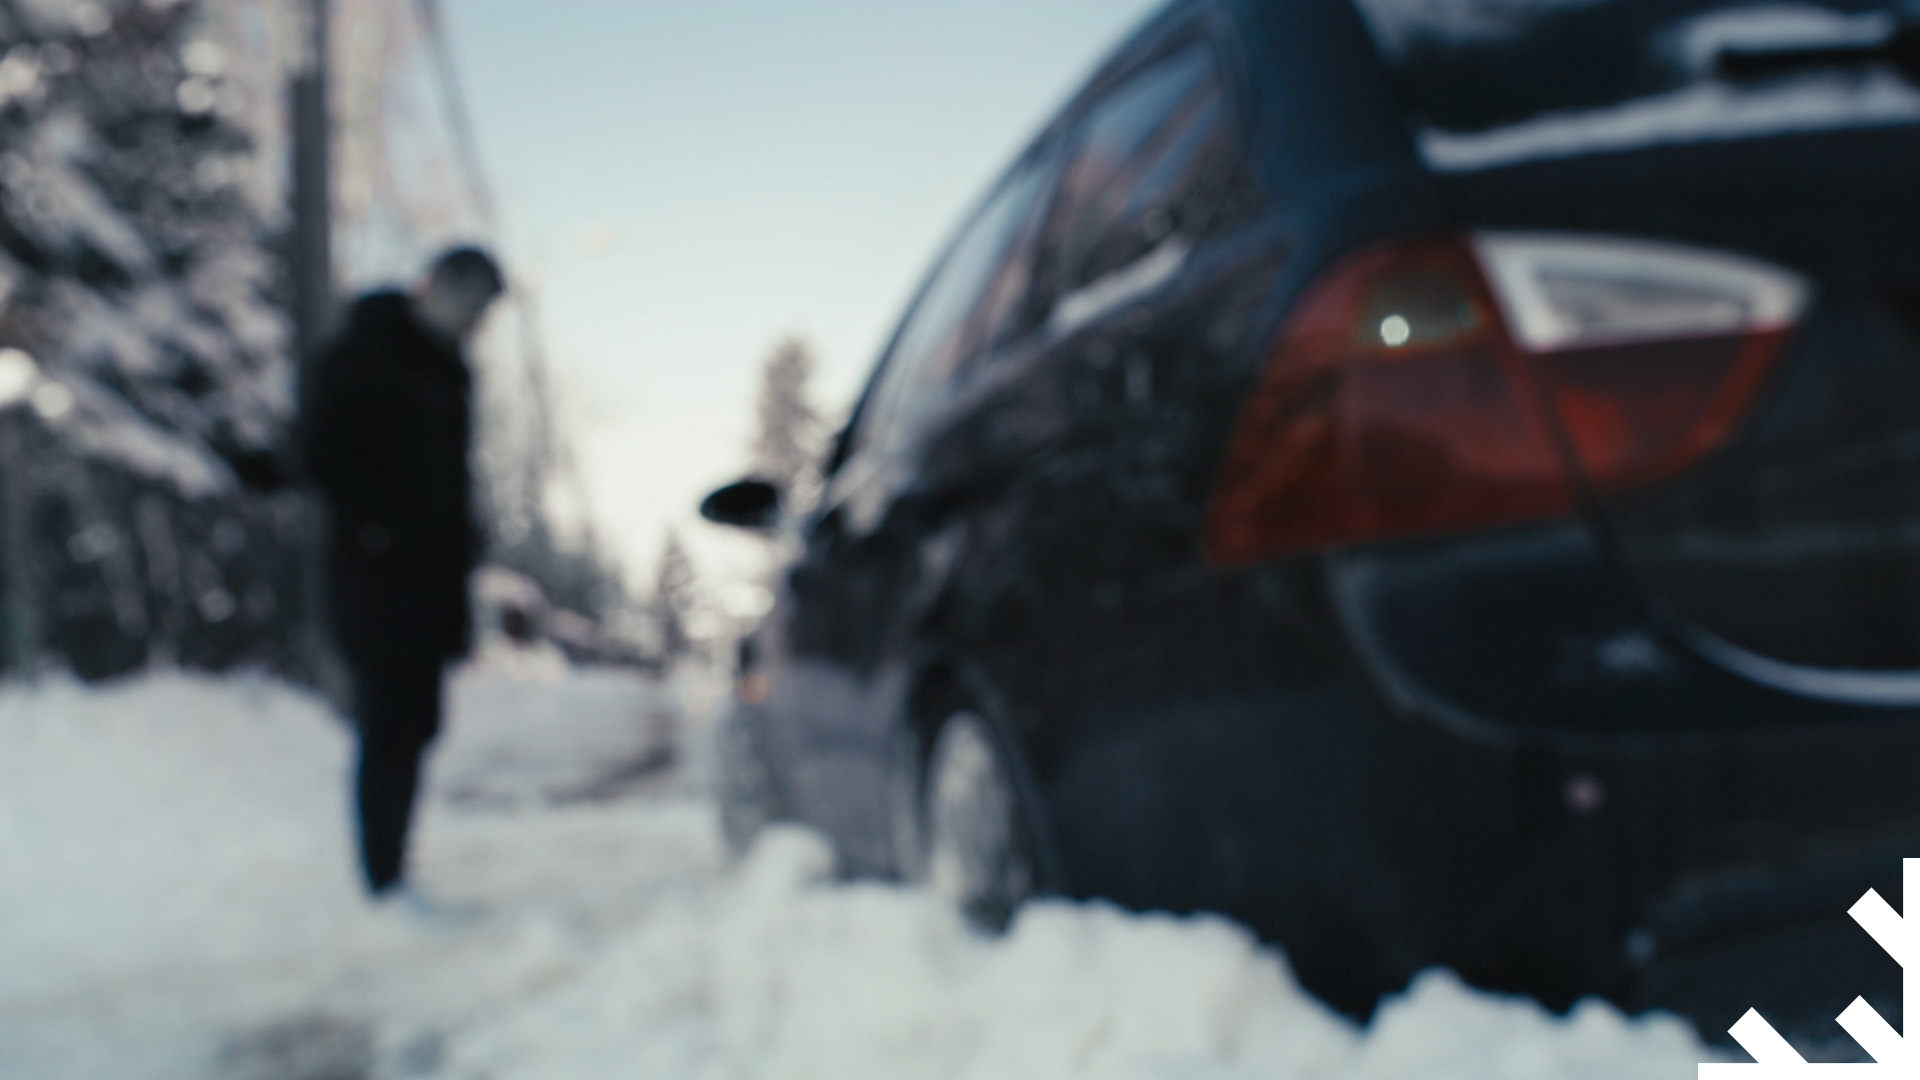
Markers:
387,424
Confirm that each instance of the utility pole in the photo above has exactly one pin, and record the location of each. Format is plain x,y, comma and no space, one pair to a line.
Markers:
312,250
17,614
19,633
311,272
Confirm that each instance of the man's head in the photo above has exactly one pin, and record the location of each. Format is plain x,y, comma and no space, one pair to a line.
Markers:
457,290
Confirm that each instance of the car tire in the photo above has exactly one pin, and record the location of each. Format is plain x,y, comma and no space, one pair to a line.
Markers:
978,849
748,792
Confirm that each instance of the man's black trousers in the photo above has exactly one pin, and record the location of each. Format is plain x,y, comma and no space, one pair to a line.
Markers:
398,712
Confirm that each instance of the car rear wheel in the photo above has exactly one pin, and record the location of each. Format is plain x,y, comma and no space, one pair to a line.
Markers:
978,849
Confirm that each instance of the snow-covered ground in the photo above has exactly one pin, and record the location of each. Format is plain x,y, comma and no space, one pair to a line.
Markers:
177,900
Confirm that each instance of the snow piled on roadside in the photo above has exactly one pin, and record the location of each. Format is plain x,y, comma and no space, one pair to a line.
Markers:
177,877
790,976
171,809
174,875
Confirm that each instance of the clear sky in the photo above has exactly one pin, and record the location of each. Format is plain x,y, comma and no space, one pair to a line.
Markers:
768,167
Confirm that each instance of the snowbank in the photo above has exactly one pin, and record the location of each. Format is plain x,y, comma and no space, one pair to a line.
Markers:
176,899
789,976
169,810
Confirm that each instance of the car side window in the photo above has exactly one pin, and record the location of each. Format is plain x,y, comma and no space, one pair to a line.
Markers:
982,278
1150,163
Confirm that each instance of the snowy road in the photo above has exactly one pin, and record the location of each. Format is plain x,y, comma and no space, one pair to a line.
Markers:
177,901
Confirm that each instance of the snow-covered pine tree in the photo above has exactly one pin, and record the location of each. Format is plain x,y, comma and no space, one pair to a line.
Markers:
136,266
789,442
675,601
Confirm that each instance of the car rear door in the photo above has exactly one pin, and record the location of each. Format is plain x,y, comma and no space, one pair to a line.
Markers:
861,558
1097,418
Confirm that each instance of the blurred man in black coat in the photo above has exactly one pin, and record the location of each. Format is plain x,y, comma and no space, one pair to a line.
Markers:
387,422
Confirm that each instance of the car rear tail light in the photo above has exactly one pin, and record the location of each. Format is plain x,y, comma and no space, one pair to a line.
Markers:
1443,385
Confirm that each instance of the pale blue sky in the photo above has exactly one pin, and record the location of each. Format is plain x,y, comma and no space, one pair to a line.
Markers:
771,166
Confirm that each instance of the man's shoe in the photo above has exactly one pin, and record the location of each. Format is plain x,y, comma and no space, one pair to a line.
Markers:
400,899
409,906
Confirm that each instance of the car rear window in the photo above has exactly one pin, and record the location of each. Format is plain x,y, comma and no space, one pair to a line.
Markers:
978,280
1562,76
1141,156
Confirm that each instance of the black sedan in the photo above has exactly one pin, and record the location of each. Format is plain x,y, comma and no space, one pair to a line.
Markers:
1439,483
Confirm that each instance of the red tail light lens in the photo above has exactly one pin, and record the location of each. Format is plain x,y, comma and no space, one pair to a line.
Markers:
1438,386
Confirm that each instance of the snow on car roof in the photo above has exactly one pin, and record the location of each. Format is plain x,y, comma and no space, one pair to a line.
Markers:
1496,82
1502,81
1696,114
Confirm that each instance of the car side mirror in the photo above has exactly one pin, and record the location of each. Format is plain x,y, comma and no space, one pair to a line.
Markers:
744,504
